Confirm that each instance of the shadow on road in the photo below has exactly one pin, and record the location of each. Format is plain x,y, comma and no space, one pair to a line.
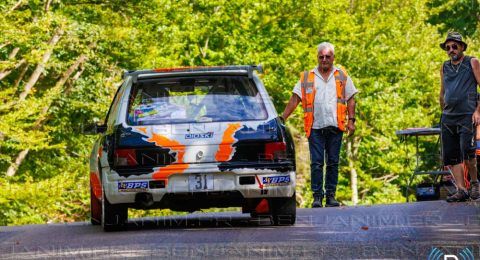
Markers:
198,220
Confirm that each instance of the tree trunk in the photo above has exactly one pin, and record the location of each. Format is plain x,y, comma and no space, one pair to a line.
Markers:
12,170
47,5
20,77
13,53
4,74
39,69
57,89
77,75
14,167
351,7
4,44
80,61
351,155
203,50
17,5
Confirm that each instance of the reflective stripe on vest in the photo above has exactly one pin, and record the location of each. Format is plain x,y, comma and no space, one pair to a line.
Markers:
308,97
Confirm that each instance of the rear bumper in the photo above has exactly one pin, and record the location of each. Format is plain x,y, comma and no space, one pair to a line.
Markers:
227,189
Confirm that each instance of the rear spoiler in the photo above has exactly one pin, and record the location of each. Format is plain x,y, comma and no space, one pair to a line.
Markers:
191,71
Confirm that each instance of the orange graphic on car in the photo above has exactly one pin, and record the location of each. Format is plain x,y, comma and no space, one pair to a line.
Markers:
96,185
225,148
142,129
179,166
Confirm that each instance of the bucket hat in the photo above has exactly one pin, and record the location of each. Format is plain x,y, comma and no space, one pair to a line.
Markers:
453,36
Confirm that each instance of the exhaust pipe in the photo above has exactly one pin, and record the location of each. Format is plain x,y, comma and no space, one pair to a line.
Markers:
144,200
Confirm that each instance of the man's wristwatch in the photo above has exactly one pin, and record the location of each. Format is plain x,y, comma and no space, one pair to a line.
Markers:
351,119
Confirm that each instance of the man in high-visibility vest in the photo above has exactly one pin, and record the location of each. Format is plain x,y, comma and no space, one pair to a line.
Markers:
327,96
459,76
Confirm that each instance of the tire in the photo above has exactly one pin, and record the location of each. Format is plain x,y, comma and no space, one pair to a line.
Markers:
114,217
284,210
95,209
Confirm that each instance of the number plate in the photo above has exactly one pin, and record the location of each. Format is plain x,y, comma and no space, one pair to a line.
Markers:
200,182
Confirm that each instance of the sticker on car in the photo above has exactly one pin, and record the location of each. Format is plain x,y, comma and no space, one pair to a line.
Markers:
133,186
199,136
276,180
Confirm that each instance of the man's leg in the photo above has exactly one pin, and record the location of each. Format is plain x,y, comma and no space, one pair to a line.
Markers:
457,171
466,137
478,159
461,194
477,150
474,184
332,147
316,144
469,146
452,155
472,169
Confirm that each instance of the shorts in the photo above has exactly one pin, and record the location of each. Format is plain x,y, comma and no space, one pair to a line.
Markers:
458,139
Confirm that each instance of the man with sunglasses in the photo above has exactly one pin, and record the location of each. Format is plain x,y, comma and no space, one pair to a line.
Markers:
460,114
327,96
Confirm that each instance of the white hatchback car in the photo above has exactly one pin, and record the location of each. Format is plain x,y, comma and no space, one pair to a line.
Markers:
192,138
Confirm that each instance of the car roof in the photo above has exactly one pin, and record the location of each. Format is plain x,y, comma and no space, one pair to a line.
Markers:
194,71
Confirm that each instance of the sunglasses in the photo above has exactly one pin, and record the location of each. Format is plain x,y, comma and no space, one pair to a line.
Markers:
453,47
327,57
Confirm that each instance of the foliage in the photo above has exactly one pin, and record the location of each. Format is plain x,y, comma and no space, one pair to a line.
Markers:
455,15
390,49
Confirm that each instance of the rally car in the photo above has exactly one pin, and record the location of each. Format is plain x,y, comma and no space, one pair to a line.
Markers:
192,138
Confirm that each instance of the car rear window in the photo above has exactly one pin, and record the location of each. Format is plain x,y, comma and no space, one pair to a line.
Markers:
199,99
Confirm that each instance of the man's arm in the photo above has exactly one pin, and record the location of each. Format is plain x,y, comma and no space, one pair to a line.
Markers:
292,104
442,90
351,115
476,71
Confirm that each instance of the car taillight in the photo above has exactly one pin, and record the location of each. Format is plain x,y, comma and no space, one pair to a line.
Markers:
125,157
276,151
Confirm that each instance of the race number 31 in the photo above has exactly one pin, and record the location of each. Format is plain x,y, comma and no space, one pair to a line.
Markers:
200,182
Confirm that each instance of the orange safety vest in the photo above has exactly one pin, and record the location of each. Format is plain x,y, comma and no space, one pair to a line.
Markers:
308,97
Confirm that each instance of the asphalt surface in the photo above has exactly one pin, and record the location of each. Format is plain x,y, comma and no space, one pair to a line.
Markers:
419,230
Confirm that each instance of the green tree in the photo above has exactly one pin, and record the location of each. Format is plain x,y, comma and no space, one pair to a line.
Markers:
455,15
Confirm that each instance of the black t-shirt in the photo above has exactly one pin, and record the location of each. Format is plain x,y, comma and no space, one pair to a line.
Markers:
460,88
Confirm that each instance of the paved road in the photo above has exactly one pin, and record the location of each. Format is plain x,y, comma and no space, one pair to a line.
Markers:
396,231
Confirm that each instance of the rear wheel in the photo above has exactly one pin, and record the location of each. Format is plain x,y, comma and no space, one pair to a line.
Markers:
284,210
114,216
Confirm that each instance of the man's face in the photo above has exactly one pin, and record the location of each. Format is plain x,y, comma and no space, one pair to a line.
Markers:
454,50
325,59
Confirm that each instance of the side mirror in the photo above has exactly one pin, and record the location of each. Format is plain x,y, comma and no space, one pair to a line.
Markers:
94,128
100,128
